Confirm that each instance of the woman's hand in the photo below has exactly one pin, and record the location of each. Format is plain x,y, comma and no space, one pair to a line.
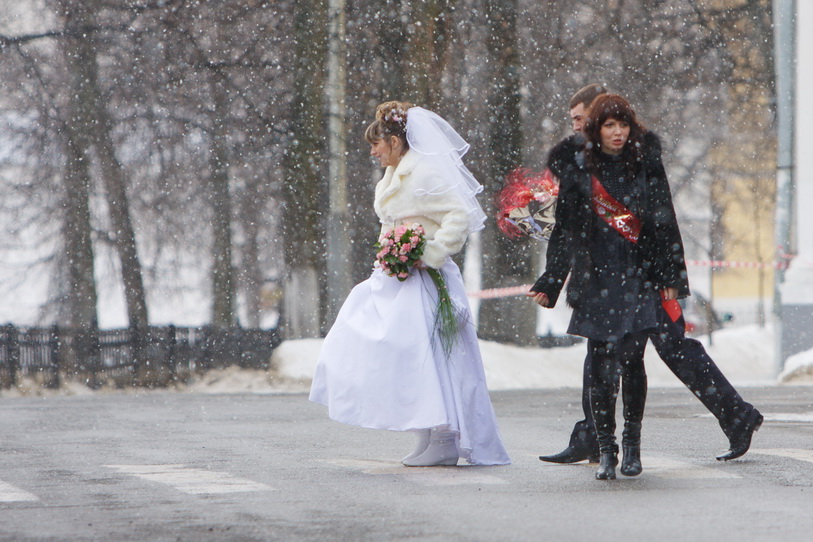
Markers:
419,265
668,294
539,297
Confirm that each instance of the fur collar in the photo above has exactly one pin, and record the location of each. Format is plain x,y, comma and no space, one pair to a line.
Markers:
391,182
569,152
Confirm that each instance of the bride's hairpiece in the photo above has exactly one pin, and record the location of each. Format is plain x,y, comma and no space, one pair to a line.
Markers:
396,116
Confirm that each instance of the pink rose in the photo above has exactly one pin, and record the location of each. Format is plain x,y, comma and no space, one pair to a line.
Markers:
415,240
403,257
403,275
400,230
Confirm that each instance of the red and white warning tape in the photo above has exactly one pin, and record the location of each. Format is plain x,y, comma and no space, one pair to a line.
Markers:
782,263
493,293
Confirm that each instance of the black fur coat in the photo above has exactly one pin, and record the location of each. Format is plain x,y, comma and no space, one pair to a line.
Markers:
662,258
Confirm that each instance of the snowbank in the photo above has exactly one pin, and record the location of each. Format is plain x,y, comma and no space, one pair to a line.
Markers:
744,354
798,369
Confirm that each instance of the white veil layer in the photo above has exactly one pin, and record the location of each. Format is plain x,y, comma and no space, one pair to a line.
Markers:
435,140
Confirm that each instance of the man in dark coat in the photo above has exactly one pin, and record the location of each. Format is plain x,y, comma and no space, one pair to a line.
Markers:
685,357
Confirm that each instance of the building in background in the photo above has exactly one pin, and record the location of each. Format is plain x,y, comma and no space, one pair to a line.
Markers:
796,290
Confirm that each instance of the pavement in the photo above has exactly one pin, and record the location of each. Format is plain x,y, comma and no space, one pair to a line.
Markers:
158,466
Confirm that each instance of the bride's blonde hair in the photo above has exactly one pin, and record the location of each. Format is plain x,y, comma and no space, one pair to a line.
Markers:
390,120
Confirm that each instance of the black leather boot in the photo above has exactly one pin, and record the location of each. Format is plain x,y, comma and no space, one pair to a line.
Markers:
602,403
631,445
633,390
571,454
607,463
742,441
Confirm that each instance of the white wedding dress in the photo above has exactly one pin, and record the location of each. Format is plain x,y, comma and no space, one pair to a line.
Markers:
382,368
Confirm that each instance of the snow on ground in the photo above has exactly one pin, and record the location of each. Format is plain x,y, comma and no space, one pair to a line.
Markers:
798,369
744,354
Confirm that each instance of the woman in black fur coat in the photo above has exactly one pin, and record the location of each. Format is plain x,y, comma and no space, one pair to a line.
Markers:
617,235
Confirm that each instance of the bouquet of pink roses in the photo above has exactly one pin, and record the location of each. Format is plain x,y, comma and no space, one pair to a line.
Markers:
398,250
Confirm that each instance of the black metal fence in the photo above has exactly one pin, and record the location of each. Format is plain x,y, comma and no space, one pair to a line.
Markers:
154,357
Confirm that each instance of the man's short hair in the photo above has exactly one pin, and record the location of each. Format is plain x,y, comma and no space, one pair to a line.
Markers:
586,95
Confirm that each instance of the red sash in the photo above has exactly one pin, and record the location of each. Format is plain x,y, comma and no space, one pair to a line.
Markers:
614,213
627,224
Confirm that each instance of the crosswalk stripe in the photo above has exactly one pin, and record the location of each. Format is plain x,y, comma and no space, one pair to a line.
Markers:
10,493
664,467
791,453
435,476
191,480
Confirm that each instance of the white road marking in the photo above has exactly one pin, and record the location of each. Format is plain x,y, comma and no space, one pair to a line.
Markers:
191,480
792,453
429,476
9,493
786,417
804,417
664,467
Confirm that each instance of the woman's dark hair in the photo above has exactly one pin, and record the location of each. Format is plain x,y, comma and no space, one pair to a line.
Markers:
390,120
613,106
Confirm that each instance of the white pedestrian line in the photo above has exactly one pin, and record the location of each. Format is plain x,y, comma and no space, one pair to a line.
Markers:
9,493
665,467
786,417
792,453
430,476
789,417
191,480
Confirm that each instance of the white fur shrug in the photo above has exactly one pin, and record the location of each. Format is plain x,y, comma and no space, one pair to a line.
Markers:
443,216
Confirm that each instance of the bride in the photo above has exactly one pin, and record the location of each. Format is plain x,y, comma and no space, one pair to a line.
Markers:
382,365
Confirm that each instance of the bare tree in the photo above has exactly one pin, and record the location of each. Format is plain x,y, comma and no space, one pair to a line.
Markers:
304,198
508,319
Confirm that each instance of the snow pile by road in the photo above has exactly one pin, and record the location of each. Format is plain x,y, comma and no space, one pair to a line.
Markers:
744,354
798,369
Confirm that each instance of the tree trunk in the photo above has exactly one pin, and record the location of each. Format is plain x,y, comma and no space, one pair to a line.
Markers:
78,53
77,230
82,297
338,238
223,302
425,44
507,262
303,192
251,274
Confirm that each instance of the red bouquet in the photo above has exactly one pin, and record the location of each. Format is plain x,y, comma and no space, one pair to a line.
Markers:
527,204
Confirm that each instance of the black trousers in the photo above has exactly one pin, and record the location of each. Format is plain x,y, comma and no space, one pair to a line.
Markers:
688,360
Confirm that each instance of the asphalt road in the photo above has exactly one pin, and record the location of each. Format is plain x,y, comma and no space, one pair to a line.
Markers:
172,466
